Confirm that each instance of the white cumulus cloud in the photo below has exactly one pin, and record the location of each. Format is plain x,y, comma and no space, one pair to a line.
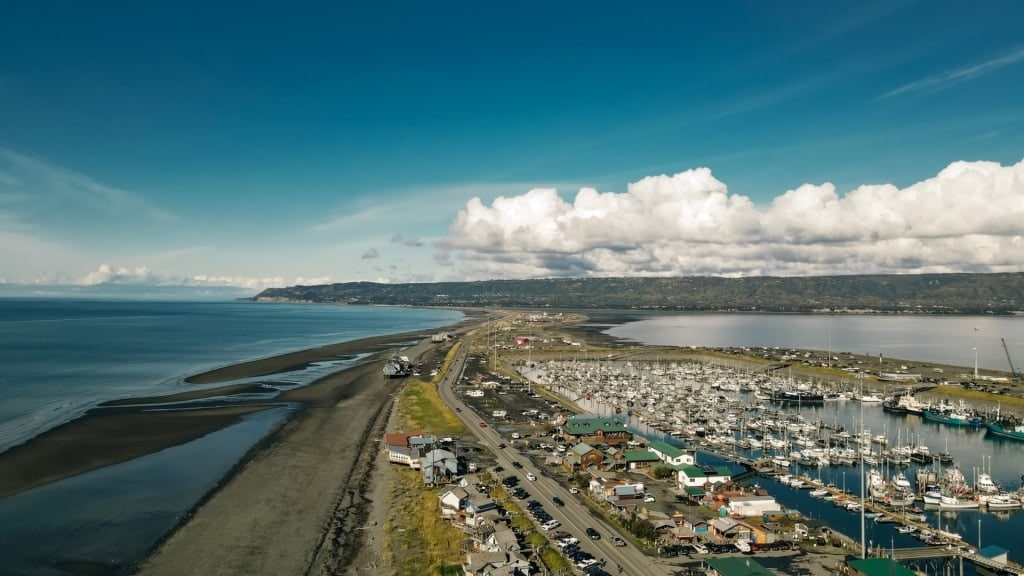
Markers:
107,274
968,218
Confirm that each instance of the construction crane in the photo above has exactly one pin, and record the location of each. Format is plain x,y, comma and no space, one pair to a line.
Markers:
1013,371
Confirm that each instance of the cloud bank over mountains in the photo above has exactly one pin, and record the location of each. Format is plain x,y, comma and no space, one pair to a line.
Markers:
968,218
143,276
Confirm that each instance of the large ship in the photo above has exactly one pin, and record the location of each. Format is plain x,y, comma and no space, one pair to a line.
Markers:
952,416
1010,428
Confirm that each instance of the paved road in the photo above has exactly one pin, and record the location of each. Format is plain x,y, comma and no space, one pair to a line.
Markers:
574,516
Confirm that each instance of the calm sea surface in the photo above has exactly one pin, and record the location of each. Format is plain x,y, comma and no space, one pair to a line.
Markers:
939,339
61,357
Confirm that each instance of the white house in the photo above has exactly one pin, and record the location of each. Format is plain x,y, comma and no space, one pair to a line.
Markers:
697,477
671,455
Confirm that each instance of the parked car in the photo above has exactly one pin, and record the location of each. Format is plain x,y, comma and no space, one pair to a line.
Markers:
574,490
648,497
516,464
550,525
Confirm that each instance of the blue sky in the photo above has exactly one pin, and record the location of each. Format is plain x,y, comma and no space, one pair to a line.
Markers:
277,143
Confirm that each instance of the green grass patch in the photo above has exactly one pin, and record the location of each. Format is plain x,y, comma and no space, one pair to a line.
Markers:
421,408
553,560
419,541
967,394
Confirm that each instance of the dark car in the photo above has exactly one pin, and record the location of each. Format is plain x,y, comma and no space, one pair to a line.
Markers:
483,424
502,445
514,463
592,534
457,409
558,501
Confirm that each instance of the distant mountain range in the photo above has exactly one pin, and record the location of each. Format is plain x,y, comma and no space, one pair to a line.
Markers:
919,293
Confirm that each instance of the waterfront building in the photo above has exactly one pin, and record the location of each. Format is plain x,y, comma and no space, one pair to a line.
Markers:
689,476
670,454
752,506
877,567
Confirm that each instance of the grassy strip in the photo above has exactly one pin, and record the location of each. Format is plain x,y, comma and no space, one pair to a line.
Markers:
421,408
965,393
419,542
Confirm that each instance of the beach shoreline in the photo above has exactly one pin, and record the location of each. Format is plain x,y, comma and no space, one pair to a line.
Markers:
299,502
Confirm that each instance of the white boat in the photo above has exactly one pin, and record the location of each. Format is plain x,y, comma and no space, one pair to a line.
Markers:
870,398
906,529
985,484
954,503
778,461
819,493
1003,501
900,480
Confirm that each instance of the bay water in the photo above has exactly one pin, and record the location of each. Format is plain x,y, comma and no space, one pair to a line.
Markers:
61,357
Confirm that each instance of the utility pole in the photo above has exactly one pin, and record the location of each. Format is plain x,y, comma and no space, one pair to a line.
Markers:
975,353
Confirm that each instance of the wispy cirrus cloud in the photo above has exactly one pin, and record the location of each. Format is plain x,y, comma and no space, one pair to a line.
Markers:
36,180
949,78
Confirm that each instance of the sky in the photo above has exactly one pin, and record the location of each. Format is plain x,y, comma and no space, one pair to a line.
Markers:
213,145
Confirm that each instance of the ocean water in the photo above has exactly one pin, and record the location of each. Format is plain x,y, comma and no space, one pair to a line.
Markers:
938,339
61,357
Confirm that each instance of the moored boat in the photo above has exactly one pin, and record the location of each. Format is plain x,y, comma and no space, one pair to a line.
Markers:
1003,501
954,503
1006,429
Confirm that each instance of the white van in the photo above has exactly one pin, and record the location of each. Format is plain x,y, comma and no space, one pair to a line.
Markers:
530,476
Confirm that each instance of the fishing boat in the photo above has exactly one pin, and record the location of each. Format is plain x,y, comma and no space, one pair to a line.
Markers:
819,493
893,405
954,503
950,415
1011,428
803,397
1003,501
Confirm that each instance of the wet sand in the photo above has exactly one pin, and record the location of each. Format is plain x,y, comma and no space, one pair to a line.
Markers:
122,430
297,505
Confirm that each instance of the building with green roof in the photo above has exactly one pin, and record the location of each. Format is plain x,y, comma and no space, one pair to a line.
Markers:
689,476
596,430
640,459
736,566
670,454
878,567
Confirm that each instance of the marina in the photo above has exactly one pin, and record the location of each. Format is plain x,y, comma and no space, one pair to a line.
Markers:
827,450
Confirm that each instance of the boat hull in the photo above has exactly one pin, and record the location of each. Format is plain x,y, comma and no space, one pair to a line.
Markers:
1000,432
941,419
